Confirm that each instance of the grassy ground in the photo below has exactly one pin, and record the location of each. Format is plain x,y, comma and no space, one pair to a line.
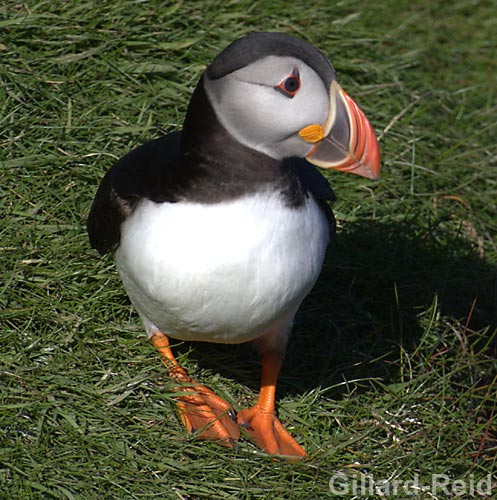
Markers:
392,368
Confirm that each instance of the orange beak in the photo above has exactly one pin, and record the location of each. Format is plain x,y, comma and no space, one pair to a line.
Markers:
347,141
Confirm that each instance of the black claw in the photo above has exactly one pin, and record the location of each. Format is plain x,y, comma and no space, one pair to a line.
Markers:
247,426
231,414
233,444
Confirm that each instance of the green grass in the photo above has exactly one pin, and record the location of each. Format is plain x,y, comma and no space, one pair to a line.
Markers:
392,367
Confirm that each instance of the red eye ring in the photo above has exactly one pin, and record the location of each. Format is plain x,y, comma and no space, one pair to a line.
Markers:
290,85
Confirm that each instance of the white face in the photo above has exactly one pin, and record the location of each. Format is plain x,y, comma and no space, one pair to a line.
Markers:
249,106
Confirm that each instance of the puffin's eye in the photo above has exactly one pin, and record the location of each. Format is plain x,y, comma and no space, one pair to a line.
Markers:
290,85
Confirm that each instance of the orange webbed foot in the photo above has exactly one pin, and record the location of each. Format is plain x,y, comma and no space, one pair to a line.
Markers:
202,411
268,433
261,422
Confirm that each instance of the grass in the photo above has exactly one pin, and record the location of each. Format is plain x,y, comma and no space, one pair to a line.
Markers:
392,368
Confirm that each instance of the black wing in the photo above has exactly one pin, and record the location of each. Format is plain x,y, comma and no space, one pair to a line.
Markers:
149,171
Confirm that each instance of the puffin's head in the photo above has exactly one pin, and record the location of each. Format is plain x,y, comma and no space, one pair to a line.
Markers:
279,95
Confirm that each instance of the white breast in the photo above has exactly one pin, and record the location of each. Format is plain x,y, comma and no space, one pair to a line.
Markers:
227,272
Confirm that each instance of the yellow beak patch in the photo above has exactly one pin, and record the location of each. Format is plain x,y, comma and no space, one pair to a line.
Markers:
312,133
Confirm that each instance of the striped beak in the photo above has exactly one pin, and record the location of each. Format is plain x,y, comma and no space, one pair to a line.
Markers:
347,141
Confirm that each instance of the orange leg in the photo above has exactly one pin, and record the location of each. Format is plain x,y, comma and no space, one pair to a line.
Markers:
261,422
199,408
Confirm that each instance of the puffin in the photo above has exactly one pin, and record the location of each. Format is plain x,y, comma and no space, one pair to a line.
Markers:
219,231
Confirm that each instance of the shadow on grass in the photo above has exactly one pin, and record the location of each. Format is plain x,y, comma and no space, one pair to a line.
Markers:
377,282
